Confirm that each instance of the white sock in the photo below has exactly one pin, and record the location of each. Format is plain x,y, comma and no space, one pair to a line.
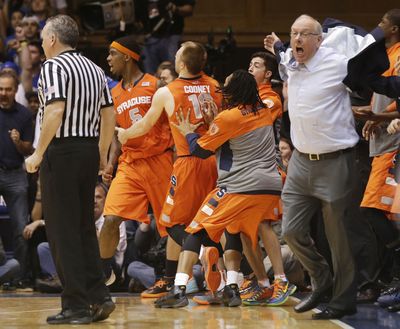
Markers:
280,276
181,279
222,283
232,277
264,283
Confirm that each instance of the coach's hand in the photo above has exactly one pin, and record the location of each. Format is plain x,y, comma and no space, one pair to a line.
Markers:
269,42
33,162
122,135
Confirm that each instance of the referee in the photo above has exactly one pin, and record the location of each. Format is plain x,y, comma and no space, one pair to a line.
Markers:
77,128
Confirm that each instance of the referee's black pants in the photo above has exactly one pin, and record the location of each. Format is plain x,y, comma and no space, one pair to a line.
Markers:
68,177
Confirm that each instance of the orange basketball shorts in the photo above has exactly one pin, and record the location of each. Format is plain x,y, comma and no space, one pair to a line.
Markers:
137,184
233,212
191,180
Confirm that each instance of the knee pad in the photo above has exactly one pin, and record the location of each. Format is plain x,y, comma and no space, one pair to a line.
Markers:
193,242
177,233
233,242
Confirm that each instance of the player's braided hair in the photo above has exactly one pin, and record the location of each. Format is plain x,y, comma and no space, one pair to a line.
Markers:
241,91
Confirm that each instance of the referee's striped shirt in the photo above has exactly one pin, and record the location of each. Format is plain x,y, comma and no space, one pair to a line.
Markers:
73,78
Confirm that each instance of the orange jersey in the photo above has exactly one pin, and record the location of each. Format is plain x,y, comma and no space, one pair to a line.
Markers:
271,100
381,187
130,105
393,53
245,148
190,94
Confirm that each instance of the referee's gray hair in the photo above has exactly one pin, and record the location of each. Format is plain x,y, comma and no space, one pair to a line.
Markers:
65,28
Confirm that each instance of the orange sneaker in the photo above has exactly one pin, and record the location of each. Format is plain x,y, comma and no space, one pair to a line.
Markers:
212,274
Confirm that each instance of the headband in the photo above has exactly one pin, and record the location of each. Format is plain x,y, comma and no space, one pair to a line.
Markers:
125,50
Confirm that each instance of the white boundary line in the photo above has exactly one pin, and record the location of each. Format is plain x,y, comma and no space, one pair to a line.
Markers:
31,311
337,322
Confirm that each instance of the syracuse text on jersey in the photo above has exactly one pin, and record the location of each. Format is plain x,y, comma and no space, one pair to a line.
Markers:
132,102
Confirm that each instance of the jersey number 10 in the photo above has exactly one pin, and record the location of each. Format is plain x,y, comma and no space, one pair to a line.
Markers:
198,102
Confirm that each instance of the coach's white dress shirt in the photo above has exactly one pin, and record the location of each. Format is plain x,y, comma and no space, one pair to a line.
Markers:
319,104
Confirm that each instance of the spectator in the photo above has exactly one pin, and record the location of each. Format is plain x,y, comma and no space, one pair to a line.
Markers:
167,75
144,270
164,26
161,67
15,143
13,68
31,28
9,269
20,52
33,103
15,20
286,149
41,9
37,59
59,6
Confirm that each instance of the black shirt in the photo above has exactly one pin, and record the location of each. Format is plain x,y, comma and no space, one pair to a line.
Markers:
151,12
19,118
3,258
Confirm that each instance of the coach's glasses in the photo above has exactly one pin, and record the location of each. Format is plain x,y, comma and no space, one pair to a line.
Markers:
302,35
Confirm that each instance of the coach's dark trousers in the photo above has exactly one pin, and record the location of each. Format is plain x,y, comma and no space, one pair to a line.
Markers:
68,177
327,185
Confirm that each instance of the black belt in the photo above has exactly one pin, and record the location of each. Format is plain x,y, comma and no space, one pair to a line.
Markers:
325,156
74,140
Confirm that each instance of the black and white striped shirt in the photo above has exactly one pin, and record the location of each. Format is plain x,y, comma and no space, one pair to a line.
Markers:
73,78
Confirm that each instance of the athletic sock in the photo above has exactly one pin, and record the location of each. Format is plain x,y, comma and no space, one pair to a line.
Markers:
181,279
264,283
232,277
281,277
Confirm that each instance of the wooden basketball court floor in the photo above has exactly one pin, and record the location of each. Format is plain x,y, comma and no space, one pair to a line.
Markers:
23,310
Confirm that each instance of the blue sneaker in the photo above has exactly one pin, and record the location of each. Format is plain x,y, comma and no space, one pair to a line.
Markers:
192,287
389,297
